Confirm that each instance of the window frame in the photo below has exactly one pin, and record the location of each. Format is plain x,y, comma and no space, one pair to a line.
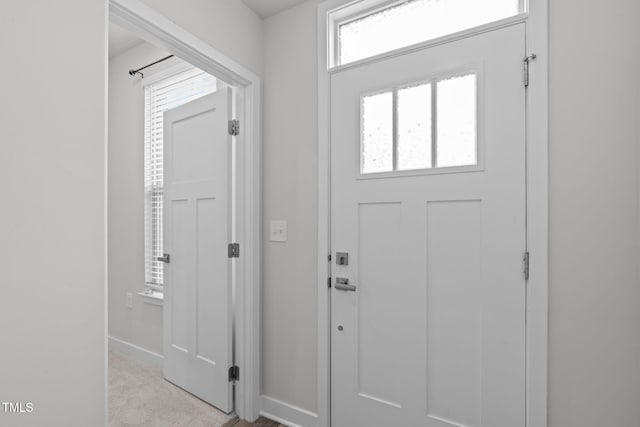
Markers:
362,8
434,79
148,191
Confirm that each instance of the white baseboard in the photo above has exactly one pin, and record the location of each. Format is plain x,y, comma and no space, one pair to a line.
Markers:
287,414
136,352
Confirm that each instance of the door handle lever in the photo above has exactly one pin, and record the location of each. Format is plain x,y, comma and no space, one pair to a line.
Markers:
166,258
342,284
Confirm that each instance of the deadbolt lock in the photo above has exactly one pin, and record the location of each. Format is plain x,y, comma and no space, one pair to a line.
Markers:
342,258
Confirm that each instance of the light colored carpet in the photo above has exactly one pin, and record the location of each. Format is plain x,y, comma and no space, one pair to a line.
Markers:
139,396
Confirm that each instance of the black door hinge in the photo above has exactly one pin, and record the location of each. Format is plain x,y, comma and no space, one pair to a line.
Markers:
525,265
234,127
234,374
234,250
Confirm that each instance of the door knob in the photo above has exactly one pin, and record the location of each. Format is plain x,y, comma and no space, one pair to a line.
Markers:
166,258
342,284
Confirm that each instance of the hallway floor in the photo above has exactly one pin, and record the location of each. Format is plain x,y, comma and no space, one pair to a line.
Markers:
139,396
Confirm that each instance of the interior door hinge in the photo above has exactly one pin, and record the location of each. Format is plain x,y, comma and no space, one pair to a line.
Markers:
234,127
329,282
525,263
234,374
526,61
234,250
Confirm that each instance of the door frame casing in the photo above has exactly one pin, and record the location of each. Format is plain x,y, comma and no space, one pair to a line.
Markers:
155,28
537,165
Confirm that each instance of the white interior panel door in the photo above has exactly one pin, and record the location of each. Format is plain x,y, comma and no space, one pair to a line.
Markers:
197,230
428,200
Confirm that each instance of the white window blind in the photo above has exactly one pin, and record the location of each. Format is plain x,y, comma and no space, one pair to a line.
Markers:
160,96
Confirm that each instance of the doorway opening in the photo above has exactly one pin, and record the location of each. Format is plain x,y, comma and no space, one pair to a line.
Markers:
184,228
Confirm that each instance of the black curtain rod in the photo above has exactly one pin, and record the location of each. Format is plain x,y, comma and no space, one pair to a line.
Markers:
134,72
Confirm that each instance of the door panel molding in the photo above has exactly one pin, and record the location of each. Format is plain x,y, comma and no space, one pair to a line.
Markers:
197,324
440,291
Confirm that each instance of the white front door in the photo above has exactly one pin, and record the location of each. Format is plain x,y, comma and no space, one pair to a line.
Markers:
428,200
197,230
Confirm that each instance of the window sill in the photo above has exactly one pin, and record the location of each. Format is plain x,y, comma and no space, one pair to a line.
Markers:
152,296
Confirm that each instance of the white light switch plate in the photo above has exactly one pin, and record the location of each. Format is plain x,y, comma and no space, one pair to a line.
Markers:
278,231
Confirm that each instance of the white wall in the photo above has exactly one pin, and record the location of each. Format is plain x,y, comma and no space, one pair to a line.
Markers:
142,325
52,221
594,361
594,377
289,367
228,25
289,288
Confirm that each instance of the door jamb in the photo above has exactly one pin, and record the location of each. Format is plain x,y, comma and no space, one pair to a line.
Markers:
537,134
153,27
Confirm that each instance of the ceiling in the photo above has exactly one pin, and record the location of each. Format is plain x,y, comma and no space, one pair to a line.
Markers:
121,40
266,8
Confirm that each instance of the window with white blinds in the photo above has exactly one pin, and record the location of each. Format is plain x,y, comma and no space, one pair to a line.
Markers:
160,96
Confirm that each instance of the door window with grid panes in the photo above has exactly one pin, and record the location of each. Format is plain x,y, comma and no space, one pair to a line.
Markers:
424,125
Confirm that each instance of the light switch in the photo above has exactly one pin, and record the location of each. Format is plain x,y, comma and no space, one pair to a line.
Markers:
278,232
